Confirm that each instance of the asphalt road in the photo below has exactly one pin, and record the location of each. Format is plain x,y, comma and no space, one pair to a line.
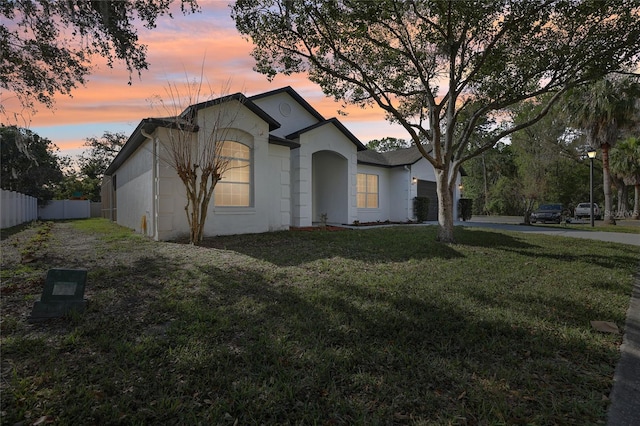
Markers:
512,223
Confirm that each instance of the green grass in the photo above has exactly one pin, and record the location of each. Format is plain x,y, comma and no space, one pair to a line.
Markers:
376,326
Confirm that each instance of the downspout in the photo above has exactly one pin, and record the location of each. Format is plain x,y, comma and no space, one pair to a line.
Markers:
154,180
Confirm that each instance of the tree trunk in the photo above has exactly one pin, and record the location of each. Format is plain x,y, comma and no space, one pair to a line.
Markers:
636,202
486,185
445,206
606,180
528,209
623,205
622,193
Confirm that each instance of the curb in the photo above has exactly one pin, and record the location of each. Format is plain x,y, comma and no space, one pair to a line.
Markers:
625,395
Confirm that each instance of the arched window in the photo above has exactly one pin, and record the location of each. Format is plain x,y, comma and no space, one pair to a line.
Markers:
234,189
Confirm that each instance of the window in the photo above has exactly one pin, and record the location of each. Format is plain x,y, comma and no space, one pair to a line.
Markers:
234,189
367,191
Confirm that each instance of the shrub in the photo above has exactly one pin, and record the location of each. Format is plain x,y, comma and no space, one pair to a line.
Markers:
421,208
465,208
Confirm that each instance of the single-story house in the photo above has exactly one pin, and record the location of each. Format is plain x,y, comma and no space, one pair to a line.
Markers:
295,169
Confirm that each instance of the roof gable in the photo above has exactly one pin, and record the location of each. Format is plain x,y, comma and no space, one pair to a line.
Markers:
149,125
273,124
299,99
338,125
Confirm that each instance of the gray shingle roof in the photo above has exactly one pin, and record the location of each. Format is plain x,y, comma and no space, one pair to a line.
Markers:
400,157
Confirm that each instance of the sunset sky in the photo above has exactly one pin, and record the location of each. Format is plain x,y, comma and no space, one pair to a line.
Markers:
176,49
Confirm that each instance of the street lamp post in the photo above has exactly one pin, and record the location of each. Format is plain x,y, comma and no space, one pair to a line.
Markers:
592,155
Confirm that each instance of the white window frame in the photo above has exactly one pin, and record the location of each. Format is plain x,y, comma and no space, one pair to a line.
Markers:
217,203
368,192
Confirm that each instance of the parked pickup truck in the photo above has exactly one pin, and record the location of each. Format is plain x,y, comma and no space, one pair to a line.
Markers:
584,210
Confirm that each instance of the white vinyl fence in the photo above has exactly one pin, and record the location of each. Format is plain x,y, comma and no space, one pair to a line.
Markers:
17,208
65,209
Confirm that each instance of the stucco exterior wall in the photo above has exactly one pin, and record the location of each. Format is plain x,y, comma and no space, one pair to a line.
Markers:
381,213
288,187
269,207
400,201
171,220
330,183
288,112
324,138
280,187
133,189
249,130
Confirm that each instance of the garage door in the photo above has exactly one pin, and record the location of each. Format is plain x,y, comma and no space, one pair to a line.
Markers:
429,190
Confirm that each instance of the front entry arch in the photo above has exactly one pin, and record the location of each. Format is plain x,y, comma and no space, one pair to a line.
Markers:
330,187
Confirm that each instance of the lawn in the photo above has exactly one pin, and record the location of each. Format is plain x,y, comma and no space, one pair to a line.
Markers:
375,326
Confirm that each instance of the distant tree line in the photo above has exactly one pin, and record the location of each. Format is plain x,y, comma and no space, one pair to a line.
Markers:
33,165
548,161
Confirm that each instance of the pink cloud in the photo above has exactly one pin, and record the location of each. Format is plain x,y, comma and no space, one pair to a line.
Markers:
176,51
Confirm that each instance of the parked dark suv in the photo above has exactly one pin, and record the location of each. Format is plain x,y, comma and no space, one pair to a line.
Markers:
547,213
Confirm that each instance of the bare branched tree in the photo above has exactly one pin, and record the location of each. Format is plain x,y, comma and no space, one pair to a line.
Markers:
195,146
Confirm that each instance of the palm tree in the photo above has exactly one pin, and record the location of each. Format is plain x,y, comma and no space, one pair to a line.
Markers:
625,162
601,110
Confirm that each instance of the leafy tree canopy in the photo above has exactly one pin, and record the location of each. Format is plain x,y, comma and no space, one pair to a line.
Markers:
47,45
388,144
100,153
93,162
443,69
625,163
29,164
602,110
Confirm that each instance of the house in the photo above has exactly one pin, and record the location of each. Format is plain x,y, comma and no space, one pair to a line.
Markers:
297,169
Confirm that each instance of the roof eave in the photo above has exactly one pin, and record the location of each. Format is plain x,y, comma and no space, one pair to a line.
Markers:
359,145
276,140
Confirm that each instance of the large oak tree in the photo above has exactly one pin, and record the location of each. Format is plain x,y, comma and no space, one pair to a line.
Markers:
443,69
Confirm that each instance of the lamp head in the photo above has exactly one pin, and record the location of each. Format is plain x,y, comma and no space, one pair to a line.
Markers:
592,153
